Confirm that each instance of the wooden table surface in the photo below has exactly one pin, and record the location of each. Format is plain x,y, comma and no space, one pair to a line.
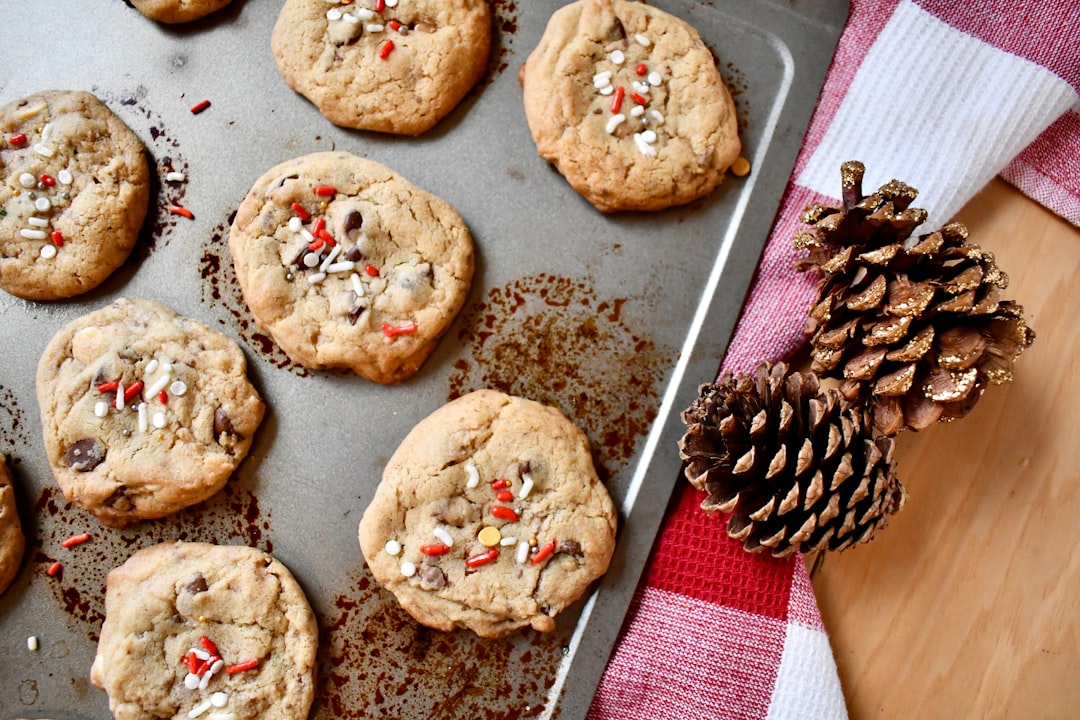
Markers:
968,603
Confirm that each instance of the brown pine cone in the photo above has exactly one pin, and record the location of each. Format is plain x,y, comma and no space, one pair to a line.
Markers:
796,468
914,325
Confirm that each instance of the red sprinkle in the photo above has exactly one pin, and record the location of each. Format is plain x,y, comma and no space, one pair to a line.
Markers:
500,483
323,234
380,5
199,107
18,139
482,558
385,49
58,238
325,190
202,667
436,549
75,540
209,645
47,180
504,513
315,245
639,99
181,210
371,270
504,496
108,387
191,660
395,330
300,211
320,225
241,667
163,397
616,100
131,392
543,553
394,25
53,569
641,69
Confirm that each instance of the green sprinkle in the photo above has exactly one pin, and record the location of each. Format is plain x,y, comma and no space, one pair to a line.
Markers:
3,212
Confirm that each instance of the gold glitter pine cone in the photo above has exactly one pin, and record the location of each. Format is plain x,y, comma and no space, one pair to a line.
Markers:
796,468
913,325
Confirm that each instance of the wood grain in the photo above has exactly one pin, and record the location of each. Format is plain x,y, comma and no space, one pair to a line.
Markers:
968,604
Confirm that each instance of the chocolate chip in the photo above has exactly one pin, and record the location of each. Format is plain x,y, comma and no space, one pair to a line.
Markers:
524,467
617,31
222,424
355,314
456,511
85,455
433,577
298,261
353,221
572,547
353,254
196,585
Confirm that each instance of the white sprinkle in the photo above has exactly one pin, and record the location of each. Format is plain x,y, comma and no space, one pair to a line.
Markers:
474,476
64,176
508,541
316,278
351,19
142,417
391,3
46,132
311,259
333,14
219,699
340,267
159,420
205,681
642,40
522,552
199,653
408,569
32,643
654,78
526,486
618,57
614,122
152,366
649,136
166,366
32,234
607,89
44,150
307,235
330,257
295,224
27,180
37,222
119,396
42,204
637,111
374,28
101,408
178,388
643,147
191,681
48,251
158,386
218,664
601,79
641,88
392,547
657,116
357,286
364,13
199,709
444,536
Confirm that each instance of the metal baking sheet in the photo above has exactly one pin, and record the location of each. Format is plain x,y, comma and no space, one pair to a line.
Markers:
613,319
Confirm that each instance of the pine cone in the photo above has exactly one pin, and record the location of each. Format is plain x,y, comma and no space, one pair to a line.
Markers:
913,324
795,467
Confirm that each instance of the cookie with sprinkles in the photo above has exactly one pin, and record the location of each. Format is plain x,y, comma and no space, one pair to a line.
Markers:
145,412
198,630
177,11
489,516
627,102
395,66
74,188
12,541
348,265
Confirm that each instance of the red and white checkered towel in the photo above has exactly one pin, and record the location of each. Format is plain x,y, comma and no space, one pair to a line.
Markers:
944,95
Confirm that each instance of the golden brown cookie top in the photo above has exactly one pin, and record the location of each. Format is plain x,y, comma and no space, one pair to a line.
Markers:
12,542
177,11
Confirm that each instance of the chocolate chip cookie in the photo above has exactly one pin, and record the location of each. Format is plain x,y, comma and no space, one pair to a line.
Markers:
12,542
217,631
177,11
348,265
395,67
627,102
489,516
74,188
145,412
